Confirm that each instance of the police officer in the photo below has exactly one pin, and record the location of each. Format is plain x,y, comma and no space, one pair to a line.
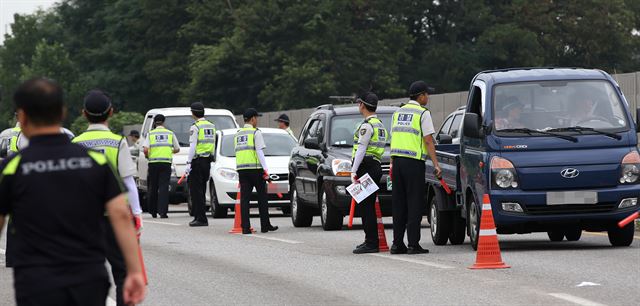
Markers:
18,141
411,142
159,148
252,171
97,110
368,146
57,193
283,124
202,144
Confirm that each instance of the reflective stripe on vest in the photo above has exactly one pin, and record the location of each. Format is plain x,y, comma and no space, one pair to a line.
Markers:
13,142
377,142
206,138
160,145
245,147
104,142
406,130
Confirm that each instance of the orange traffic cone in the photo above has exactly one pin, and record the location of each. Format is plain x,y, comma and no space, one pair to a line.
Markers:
488,255
382,238
237,220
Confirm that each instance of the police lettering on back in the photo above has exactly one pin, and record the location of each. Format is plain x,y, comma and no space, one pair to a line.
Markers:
42,166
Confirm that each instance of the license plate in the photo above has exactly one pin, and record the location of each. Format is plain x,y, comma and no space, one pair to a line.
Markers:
572,197
389,184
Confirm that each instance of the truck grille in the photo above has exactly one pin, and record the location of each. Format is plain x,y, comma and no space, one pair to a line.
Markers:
569,209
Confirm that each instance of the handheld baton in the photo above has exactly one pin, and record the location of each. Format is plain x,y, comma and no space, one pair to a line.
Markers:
628,219
352,212
181,179
444,184
270,182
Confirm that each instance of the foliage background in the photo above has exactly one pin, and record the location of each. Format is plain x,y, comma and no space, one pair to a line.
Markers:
283,54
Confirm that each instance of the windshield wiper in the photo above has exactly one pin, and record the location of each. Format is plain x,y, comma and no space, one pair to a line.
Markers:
342,145
581,129
530,132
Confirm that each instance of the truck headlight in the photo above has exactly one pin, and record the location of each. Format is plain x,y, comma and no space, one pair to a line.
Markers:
630,168
341,167
228,174
503,173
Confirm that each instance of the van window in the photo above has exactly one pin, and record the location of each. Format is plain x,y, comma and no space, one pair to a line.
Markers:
475,96
147,126
446,125
180,125
455,126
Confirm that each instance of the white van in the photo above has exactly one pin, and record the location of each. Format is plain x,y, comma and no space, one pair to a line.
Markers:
178,120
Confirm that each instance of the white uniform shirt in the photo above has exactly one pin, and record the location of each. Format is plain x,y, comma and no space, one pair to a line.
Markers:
176,145
258,140
23,141
426,122
126,167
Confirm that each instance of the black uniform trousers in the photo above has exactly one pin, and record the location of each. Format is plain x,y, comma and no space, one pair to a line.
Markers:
116,261
408,199
93,293
198,178
367,206
158,183
248,180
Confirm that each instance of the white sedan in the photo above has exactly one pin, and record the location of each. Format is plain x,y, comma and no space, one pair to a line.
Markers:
223,185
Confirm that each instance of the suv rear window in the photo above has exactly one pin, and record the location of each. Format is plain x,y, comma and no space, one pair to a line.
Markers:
344,127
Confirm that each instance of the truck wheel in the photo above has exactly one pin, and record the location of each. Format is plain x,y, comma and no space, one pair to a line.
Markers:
555,235
217,211
573,234
330,216
622,236
439,223
300,215
473,223
458,229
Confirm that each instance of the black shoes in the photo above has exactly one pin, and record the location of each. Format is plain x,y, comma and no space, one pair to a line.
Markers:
412,250
246,232
398,249
364,248
269,228
164,216
198,223
154,215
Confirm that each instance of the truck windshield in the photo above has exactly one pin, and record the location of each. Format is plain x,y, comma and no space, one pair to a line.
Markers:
277,145
344,127
180,125
558,106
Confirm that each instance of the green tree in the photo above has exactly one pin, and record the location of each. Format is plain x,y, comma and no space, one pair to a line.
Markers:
116,122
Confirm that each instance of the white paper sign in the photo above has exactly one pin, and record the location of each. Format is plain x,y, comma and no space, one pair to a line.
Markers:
364,189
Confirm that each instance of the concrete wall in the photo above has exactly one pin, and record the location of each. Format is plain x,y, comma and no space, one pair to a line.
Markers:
443,104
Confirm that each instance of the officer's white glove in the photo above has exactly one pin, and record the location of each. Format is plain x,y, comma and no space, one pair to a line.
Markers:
354,178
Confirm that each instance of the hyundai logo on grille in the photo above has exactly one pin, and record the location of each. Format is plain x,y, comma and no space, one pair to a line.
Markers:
569,173
274,177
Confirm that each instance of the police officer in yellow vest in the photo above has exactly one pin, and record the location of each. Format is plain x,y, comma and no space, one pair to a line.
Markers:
368,147
411,142
202,145
13,141
159,147
97,110
252,171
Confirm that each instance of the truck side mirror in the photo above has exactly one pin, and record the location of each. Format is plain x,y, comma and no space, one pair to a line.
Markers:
312,143
471,126
638,120
444,139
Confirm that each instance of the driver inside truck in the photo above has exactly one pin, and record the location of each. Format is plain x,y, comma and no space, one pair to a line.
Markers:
580,108
510,115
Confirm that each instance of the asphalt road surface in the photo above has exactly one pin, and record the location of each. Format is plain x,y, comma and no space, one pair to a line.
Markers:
296,266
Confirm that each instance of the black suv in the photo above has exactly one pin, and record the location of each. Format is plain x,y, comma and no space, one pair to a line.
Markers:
320,166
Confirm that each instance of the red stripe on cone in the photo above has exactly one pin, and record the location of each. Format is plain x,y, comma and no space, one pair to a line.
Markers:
488,255
382,238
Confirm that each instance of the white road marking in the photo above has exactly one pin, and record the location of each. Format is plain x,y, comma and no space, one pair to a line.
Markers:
274,239
111,302
2,252
420,262
585,284
575,299
158,222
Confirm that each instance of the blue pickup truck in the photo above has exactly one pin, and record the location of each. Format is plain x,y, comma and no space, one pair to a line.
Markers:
555,150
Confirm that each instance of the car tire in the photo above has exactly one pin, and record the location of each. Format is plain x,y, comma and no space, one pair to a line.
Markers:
301,215
439,222
458,229
555,236
573,234
330,216
217,211
473,223
622,236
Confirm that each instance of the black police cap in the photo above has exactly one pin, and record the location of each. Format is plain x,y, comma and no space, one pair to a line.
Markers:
159,118
283,118
369,99
197,107
134,133
420,87
97,103
250,113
